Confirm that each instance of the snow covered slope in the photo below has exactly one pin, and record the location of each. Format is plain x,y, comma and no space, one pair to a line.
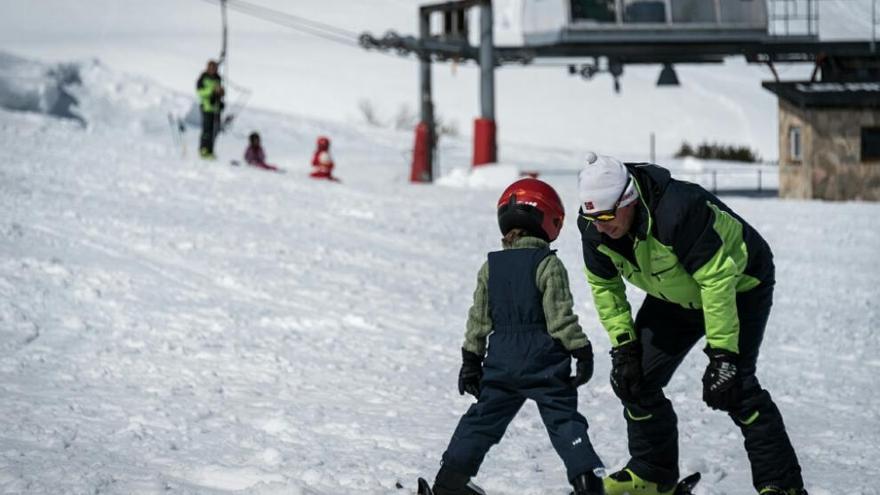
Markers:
169,41
174,326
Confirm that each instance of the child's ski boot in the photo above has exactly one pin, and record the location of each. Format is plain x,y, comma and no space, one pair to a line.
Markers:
450,483
588,484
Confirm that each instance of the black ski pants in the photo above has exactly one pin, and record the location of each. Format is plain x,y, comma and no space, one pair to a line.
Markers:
210,129
667,332
526,364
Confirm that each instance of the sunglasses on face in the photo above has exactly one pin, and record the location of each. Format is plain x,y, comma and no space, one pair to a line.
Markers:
610,214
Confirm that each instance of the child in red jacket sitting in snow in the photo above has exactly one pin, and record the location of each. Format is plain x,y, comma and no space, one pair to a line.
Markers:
322,162
254,154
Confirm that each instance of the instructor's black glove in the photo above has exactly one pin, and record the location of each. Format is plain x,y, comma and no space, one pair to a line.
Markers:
471,373
626,371
584,366
721,383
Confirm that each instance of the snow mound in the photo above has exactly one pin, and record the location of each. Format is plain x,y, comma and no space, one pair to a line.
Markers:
87,92
491,176
28,86
691,164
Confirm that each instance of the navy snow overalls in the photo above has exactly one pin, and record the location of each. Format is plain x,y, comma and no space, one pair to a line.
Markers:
522,362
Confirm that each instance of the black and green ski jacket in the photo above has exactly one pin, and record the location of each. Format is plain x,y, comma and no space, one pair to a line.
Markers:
686,247
206,89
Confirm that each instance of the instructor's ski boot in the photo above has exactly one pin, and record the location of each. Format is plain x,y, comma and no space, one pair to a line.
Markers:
588,484
625,482
775,490
449,482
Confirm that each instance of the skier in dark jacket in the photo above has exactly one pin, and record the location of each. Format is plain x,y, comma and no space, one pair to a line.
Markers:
523,305
254,154
707,273
209,88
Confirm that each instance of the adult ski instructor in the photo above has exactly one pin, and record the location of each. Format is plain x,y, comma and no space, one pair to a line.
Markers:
707,273
209,88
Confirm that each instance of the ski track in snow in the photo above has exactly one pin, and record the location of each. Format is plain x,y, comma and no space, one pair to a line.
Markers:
170,325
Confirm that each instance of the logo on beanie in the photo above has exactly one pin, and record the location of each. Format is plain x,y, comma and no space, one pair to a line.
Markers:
589,205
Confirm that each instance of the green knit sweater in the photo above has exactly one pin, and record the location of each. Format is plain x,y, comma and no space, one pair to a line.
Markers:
552,280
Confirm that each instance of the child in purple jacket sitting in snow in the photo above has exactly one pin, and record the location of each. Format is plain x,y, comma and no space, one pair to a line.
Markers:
254,155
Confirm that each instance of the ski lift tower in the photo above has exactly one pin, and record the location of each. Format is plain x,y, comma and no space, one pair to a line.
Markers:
454,37
606,35
450,43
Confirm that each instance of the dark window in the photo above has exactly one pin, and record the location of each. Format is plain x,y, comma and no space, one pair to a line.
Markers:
870,143
593,10
795,151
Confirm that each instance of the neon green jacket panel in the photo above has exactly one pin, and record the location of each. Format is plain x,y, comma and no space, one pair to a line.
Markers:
688,248
720,279
658,272
609,298
205,90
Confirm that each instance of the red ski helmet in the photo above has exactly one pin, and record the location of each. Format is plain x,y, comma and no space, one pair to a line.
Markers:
533,205
323,143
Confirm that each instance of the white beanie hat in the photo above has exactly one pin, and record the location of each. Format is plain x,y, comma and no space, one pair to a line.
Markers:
601,183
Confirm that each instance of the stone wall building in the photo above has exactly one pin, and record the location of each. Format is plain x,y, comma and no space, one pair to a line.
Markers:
829,140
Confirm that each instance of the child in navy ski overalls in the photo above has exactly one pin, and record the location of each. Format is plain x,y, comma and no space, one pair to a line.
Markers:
523,306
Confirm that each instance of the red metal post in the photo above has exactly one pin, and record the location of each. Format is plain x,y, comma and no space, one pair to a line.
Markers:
484,142
421,160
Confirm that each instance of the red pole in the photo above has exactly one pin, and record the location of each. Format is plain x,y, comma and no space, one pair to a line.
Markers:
421,160
484,142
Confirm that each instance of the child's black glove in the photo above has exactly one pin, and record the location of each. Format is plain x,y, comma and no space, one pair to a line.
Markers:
471,373
626,371
721,380
584,367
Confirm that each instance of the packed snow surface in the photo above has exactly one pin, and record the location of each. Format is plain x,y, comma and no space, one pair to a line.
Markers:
170,325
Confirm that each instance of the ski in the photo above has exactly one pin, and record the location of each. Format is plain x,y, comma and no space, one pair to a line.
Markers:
683,487
687,484
424,488
177,133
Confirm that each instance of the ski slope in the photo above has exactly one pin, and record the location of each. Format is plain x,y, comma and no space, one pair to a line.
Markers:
169,325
